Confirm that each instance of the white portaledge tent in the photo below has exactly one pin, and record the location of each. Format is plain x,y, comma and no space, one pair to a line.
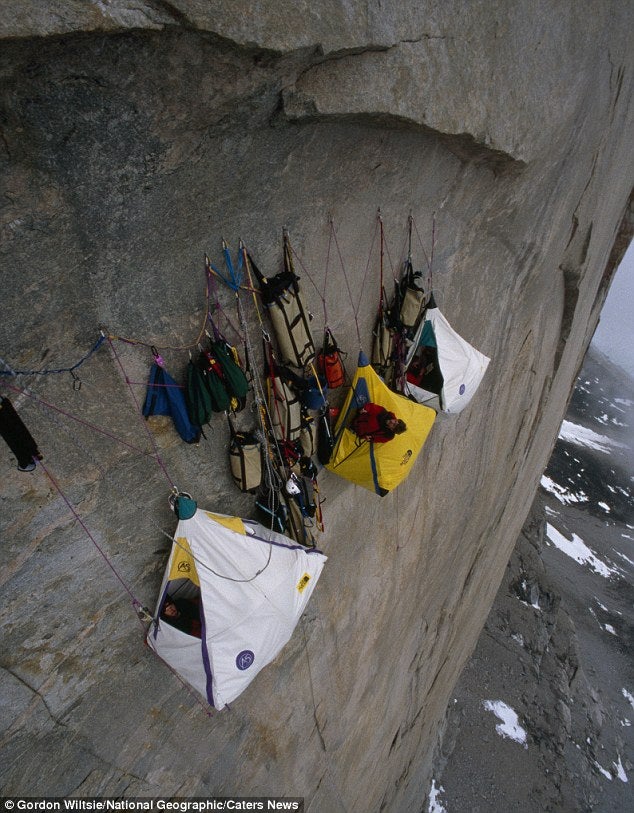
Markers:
442,370
251,586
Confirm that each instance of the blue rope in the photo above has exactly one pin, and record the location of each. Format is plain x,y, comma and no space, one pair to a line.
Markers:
85,358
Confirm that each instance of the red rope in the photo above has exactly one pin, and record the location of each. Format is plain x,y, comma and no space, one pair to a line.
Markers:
345,276
367,268
320,294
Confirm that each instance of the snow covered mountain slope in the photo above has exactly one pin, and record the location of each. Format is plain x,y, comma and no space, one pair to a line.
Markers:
543,714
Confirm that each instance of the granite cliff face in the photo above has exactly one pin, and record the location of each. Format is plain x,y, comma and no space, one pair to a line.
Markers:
135,136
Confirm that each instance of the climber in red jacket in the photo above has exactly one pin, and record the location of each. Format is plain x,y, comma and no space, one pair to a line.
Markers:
374,422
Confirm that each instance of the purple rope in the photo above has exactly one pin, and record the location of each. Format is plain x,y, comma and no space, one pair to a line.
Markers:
213,288
135,601
157,454
78,420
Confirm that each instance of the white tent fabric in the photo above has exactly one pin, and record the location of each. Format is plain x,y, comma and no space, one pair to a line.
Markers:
254,586
461,365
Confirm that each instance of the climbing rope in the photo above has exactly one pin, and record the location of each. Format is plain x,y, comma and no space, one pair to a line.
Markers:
320,293
428,260
41,402
138,410
345,276
135,602
379,224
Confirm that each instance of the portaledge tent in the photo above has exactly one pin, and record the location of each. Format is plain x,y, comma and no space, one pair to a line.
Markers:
455,368
253,584
379,467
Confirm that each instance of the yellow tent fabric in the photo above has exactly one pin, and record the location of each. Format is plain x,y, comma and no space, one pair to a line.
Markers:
379,467
183,564
233,523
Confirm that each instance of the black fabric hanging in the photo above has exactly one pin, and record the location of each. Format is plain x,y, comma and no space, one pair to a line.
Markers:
17,436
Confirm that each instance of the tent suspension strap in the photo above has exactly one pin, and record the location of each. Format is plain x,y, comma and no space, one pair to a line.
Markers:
321,294
202,564
389,256
326,278
381,255
345,276
312,687
157,454
429,260
135,602
367,266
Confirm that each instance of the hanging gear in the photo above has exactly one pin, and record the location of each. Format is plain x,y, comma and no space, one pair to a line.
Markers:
325,435
308,435
285,411
17,436
413,297
165,397
272,510
383,342
233,376
311,390
245,459
197,395
282,297
330,363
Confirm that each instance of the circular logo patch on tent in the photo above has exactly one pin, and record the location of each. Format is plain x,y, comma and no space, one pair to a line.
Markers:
245,659
462,389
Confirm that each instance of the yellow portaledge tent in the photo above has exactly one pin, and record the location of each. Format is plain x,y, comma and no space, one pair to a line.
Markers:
379,467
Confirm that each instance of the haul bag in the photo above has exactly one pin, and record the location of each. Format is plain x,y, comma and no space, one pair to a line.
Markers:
291,328
411,306
245,460
285,409
289,317
383,346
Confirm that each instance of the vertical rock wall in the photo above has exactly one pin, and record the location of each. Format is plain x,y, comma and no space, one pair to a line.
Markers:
133,139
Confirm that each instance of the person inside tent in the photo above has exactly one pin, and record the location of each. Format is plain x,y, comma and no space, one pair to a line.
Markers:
374,422
184,614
